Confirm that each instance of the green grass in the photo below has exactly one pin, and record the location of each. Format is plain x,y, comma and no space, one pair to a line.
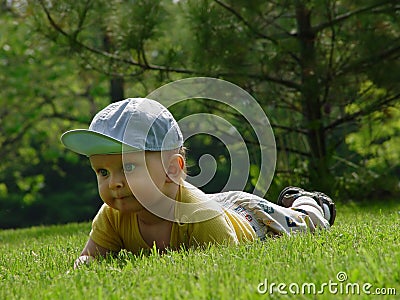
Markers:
36,263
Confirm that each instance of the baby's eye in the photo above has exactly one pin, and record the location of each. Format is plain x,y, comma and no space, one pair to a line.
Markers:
102,172
129,167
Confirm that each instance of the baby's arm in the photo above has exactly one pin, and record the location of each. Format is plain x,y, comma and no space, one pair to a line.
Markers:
89,253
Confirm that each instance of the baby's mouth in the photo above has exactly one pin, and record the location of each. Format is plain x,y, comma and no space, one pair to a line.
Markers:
122,197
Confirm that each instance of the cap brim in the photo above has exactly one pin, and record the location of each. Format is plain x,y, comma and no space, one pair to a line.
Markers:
89,143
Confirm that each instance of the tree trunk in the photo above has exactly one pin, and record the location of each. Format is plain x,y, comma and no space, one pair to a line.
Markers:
116,88
310,99
116,82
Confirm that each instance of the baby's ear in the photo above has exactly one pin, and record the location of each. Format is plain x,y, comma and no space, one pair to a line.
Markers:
175,168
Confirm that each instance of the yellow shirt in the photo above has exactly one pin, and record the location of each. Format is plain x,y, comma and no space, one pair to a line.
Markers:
115,231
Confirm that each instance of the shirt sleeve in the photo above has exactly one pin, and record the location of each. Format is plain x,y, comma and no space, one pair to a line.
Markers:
104,229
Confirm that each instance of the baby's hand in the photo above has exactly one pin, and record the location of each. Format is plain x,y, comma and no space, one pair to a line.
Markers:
83,260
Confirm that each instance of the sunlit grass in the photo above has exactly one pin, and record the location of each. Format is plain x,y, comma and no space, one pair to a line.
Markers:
36,263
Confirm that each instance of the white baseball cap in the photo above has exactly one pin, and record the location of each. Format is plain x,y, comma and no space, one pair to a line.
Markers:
133,124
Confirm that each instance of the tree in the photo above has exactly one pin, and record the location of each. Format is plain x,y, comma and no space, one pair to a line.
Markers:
326,72
305,61
44,93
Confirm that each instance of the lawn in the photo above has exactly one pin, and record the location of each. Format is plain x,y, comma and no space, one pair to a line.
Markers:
358,258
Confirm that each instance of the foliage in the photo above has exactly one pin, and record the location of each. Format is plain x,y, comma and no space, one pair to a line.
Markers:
36,263
44,95
325,72
376,142
306,60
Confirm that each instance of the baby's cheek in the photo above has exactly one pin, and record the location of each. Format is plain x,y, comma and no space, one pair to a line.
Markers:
103,192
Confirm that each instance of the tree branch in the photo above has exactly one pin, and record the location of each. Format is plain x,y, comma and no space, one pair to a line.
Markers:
362,112
244,21
368,61
348,15
107,54
289,129
82,19
291,150
148,66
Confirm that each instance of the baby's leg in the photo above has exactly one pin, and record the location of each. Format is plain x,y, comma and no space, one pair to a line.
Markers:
317,205
265,217
312,209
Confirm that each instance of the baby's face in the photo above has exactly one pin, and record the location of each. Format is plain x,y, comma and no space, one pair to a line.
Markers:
127,181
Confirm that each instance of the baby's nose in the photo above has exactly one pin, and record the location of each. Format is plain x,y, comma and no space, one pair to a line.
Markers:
116,181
